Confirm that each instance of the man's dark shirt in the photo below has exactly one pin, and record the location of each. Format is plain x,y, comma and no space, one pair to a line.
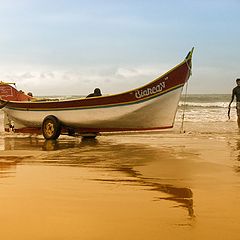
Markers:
94,95
91,95
236,92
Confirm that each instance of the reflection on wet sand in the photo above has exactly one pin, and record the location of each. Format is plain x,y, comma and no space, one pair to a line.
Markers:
7,166
237,148
106,155
183,196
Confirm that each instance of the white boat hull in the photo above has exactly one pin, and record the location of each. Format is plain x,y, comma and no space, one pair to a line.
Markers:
158,112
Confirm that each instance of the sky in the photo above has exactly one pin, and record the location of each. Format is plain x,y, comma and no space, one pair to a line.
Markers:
56,47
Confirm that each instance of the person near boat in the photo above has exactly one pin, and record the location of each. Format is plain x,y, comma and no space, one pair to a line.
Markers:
96,93
236,93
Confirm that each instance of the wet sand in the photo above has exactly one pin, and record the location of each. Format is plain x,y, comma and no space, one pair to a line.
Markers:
156,185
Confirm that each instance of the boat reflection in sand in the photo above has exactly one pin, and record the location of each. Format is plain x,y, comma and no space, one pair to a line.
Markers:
110,156
8,166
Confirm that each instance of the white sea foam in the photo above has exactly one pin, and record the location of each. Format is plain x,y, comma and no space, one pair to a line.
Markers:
206,108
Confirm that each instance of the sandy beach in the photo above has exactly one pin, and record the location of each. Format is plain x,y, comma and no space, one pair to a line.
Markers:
167,72
153,185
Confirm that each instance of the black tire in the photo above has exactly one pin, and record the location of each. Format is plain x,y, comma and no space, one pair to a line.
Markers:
51,128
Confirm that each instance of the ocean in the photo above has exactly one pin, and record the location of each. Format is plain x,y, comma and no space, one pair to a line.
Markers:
206,108
206,113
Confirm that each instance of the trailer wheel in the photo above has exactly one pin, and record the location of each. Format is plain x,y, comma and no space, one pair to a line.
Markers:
51,127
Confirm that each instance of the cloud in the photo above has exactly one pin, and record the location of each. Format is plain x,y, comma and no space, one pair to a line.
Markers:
80,82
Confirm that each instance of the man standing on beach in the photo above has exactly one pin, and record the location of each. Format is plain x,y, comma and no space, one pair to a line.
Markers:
236,92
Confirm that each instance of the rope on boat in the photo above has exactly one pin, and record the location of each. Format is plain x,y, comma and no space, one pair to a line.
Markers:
185,99
184,108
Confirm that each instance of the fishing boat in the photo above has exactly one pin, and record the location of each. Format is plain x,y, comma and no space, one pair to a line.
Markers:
149,107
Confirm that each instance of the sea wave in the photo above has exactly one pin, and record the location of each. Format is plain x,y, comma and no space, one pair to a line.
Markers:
206,104
206,97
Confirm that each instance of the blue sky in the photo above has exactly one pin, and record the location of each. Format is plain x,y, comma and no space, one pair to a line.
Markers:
70,47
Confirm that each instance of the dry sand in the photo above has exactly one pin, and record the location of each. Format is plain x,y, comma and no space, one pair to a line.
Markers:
159,185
